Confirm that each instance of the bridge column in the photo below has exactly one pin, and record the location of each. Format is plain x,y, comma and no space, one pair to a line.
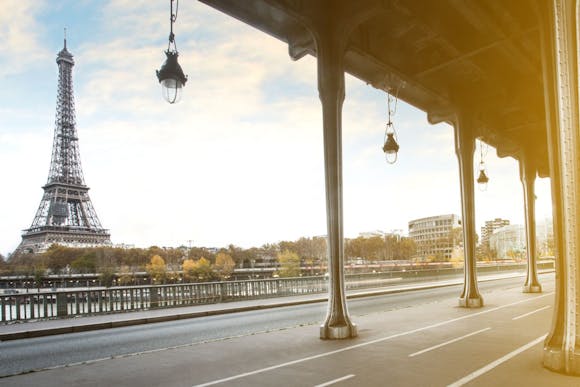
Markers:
561,42
464,148
330,51
528,178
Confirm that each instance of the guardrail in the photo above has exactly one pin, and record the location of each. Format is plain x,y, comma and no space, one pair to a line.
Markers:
43,305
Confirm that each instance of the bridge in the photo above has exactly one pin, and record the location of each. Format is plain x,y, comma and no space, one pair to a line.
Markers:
504,72
413,337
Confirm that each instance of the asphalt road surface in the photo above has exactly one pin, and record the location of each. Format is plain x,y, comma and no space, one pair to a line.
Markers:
22,356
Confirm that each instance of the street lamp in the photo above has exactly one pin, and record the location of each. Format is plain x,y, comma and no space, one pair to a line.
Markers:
170,74
390,146
482,179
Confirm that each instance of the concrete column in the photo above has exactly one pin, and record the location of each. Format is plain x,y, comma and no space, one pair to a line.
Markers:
464,148
561,42
337,324
528,178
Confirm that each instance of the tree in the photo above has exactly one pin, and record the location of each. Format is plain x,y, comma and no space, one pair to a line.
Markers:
157,269
106,277
289,264
125,276
38,273
224,265
199,270
3,265
59,257
204,270
200,252
86,263
189,267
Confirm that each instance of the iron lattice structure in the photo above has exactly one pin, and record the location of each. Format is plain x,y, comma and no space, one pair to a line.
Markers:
65,215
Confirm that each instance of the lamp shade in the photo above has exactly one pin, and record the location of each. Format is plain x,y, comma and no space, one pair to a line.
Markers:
391,148
482,180
171,77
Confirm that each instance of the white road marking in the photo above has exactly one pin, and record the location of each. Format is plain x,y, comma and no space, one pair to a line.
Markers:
335,381
529,313
325,354
497,362
448,342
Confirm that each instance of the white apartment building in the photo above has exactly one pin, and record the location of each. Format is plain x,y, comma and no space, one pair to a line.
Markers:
508,238
513,238
433,235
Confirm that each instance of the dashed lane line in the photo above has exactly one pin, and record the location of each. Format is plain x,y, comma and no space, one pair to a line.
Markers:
493,364
331,382
448,342
529,313
381,339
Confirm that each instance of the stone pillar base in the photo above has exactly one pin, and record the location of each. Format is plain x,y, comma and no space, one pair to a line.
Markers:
338,332
532,288
555,360
465,302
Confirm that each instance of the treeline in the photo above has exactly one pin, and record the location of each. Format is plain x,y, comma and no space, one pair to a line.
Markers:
310,253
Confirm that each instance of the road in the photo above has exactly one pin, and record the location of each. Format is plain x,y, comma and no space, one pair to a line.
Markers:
21,356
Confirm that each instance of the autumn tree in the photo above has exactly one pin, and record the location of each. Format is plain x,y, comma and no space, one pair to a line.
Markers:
188,266
406,248
199,270
289,264
224,265
157,269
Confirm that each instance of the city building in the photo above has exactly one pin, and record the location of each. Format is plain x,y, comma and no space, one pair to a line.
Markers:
545,238
434,235
371,234
509,241
396,233
490,227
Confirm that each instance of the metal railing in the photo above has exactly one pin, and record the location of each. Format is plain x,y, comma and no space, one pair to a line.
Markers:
88,301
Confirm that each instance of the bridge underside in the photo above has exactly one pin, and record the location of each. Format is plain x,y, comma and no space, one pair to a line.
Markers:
502,71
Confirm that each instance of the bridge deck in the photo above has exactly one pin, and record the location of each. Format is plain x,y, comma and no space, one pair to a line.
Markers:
430,344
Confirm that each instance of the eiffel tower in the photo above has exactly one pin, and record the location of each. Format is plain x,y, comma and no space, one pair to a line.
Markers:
65,215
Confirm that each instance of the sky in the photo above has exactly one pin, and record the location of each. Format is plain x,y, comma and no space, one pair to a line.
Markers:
239,160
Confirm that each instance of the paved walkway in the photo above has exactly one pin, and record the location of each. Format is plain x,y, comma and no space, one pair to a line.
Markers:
436,344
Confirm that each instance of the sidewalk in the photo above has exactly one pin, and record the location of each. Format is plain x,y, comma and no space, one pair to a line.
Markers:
40,328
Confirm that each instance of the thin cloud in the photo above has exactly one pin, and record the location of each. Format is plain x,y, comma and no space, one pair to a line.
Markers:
20,34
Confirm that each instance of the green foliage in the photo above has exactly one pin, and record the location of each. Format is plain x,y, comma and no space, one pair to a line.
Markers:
289,264
87,263
4,268
59,257
39,273
106,277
